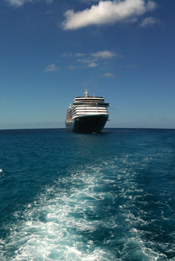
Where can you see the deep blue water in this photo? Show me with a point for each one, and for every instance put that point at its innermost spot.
(66, 196)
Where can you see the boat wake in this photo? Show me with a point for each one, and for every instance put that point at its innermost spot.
(94, 213)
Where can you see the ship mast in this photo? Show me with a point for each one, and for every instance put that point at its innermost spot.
(86, 93)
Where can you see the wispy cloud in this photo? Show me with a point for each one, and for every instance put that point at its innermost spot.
(148, 21)
(90, 59)
(107, 12)
(51, 68)
(103, 55)
(67, 55)
(19, 3)
(93, 59)
(80, 54)
(91, 65)
(108, 75)
(71, 67)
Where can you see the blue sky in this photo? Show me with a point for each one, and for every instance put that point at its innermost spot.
(51, 51)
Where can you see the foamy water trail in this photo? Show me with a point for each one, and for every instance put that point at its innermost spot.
(90, 214)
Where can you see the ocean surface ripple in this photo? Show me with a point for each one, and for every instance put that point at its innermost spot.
(101, 197)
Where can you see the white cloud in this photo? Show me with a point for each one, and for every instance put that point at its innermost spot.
(51, 68)
(19, 3)
(90, 59)
(15, 2)
(107, 12)
(93, 58)
(148, 21)
(108, 75)
(103, 55)
(92, 64)
(80, 54)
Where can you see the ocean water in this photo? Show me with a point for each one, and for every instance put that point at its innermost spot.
(94, 197)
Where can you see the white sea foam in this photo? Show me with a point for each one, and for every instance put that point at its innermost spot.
(54, 226)
(65, 224)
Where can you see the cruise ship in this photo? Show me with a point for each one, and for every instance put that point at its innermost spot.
(87, 114)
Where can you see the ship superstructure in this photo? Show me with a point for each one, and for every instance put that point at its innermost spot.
(87, 114)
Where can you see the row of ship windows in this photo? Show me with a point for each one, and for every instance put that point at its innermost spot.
(88, 108)
(89, 100)
(86, 113)
(102, 110)
(89, 113)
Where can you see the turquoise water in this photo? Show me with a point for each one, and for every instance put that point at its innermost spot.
(66, 196)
